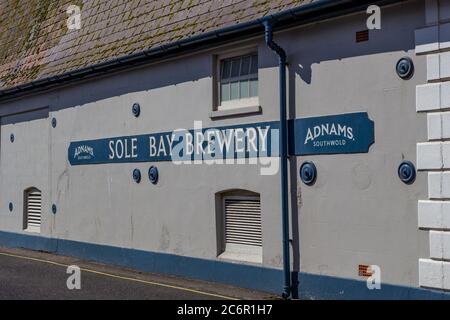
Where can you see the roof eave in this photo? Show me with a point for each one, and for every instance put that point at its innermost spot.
(316, 11)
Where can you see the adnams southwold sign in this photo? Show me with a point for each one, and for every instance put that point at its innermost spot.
(344, 133)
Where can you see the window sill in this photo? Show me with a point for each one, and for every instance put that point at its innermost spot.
(243, 253)
(235, 112)
(33, 230)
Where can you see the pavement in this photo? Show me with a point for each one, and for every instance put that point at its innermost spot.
(31, 275)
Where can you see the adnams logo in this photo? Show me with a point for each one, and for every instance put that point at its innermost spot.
(83, 152)
(325, 134)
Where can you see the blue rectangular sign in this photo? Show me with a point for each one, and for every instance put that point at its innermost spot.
(346, 133)
(232, 142)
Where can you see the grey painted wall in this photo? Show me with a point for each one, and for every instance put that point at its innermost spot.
(358, 212)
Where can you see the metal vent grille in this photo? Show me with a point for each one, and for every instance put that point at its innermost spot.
(362, 36)
(33, 210)
(243, 221)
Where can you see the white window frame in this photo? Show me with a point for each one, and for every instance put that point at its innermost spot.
(250, 102)
(240, 252)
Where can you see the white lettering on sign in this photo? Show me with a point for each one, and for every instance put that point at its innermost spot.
(215, 144)
(152, 141)
(240, 140)
(161, 148)
(251, 140)
(328, 129)
(83, 152)
(123, 149)
(263, 137)
(225, 139)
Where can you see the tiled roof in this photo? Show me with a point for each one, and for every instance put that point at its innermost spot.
(35, 42)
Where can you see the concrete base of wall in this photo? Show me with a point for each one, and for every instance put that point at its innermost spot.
(247, 276)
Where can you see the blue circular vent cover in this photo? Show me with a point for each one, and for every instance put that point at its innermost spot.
(407, 172)
(405, 68)
(308, 173)
(136, 109)
(153, 174)
(137, 175)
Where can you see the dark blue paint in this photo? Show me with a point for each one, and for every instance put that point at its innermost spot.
(343, 133)
(247, 276)
(331, 288)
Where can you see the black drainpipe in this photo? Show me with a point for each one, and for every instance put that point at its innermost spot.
(283, 157)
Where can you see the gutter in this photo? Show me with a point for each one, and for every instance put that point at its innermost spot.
(307, 13)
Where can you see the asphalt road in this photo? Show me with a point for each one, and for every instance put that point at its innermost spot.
(31, 275)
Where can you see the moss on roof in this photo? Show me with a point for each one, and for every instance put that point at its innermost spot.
(36, 43)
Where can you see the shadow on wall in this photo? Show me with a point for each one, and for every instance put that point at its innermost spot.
(29, 115)
(139, 79)
(144, 78)
(336, 39)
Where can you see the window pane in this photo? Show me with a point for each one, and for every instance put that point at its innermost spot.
(234, 90)
(225, 91)
(236, 63)
(254, 67)
(245, 66)
(254, 88)
(244, 89)
(239, 78)
(226, 68)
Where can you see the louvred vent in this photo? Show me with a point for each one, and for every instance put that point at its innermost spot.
(243, 221)
(33, 209)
